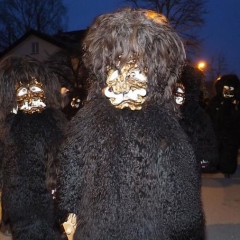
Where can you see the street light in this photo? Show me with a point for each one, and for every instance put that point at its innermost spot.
(201, 65)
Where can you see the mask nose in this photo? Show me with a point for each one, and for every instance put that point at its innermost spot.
(29, 94)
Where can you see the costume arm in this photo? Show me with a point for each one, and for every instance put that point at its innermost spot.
(1, 161)
(69, 178)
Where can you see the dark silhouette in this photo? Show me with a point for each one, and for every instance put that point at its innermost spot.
(196, 123)
(33, 126)
(224, 112)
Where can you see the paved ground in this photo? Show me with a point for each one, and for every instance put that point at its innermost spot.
(221, 203)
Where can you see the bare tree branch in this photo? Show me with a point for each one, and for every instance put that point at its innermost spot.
(217, 67)
(19, 16)
(69, 67)
(184, 15)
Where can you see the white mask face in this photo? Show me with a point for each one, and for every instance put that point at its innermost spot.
(228, 91)
(30, 97)
(179, 94)
(128, 88)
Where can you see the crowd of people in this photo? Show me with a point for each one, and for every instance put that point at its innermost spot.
(128, 164)
(213, 128)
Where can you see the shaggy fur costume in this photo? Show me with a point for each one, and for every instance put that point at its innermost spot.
(30, 146)
(196, 123)
(225, 115)
(131, 174)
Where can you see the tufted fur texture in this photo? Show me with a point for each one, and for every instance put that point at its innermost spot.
(131, 174)
(196, 123)
(225, 116)
(131, 34)
(31, 143)
(16, 69)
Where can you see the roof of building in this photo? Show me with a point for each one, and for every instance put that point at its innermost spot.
(66, 40)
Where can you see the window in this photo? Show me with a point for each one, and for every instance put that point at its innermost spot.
(35, 47)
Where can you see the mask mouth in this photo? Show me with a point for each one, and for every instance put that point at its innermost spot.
(179, 100)
(228, 91)
(33, 106)
(126, 88)
(132, 99)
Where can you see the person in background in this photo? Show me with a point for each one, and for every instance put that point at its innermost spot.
(224, 111)
(194, 120)
(30, 103)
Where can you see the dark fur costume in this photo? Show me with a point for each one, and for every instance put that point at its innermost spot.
(225, 115)
(131, 174)
(30, 147)
(196, 123)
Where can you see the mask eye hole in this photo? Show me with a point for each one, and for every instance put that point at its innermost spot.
(35, 89)
(22, 91)
(132, 74)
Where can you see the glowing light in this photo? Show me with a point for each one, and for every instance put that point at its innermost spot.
(201, 65)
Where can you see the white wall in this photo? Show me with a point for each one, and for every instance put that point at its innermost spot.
(25, 48)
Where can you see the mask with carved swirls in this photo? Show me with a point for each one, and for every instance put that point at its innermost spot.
(30, 97)
(127, 88)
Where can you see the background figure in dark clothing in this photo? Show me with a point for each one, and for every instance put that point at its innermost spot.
(72, 101)
(224, 112)
(195, 122)
(30, 104)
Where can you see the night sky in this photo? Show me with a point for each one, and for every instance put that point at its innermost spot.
(221, 32)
